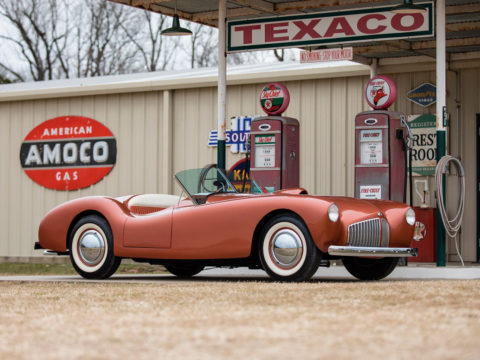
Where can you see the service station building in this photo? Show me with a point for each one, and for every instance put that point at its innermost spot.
(162, 123)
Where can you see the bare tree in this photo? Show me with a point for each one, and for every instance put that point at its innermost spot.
(81, 38)
(62, 39)
(4, 79)
(40, 37)
(157, 51)
(102, 45)
(279, 54)
(202, 49)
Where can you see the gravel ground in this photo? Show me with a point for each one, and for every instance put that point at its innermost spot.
(241, 320)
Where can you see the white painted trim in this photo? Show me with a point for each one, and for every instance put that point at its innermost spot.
(197, 78)
(222, 71)
(167, 142)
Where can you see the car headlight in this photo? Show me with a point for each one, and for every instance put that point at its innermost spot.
(333, 212)
(410, 216)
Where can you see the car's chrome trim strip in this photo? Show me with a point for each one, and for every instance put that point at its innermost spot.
(51, 253)
(371, 251)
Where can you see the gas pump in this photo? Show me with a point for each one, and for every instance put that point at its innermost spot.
(274, 142)
(380, 146)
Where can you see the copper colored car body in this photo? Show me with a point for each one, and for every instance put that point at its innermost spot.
(288, 233)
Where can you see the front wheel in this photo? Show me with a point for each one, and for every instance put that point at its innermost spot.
(286, 249)
(369, 269)
(91, 248)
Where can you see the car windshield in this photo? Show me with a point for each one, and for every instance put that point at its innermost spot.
(254, 188)
(200, 183)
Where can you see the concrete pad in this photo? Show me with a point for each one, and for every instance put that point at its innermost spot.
(334, 273)
(340, 273)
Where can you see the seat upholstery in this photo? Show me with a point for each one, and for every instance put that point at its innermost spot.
(149, 203)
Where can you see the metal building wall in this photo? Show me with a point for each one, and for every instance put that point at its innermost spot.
(313, 102)
(162, 131)
(134, 119)
(469, 102)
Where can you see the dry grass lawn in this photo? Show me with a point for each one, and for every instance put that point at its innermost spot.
(241, 320)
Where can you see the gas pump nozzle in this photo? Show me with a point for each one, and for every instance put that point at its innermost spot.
(247, 145)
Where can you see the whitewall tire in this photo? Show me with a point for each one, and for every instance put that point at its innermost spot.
(286, 249)
(91, 248)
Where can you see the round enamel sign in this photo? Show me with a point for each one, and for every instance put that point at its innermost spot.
(380, 92)
(68, 153)
(274, 99)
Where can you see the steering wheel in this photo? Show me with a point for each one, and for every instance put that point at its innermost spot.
(202, 187)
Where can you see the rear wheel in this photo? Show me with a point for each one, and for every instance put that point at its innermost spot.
(184, 270)
(286, 249)
(369, 269)
(91, 248)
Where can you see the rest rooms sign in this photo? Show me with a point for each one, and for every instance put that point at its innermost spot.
(424, 144)
(333, 27)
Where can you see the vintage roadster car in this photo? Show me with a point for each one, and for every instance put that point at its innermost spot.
(287, 233)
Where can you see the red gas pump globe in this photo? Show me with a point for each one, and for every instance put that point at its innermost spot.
(380, 92)
(274, 99)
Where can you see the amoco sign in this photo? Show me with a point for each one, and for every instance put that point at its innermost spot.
(68, 153)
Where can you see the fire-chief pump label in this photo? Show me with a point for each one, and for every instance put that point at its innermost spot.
(371, 150)
(370, 192)
(68, 153)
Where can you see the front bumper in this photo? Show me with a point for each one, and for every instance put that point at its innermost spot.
(362, 251)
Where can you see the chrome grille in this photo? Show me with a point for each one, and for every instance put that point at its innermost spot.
(364, 233)
(385, 233)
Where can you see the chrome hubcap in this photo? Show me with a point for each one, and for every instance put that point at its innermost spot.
(286, 248)
(91, 247)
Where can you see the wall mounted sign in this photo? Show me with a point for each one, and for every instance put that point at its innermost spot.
(423, 95)
(237, 136)
(326, 55)
(424, 143)
(329, 27)
(68, 153)
(380, 92)
(274, 99)
(239, 175)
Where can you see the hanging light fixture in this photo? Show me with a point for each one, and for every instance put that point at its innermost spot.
(408, 7)
(176, 29)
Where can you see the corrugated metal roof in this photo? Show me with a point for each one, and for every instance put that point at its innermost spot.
(178, 79)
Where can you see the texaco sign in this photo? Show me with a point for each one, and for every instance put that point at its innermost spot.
(329, 27)
(68, 153)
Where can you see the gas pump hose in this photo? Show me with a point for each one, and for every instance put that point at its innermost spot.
(452, 226)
